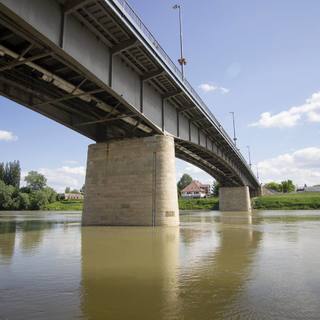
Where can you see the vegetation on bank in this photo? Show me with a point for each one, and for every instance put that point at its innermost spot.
(211, 203)
(34, 196)
(291, 201)
(288, 201)
(65, 205)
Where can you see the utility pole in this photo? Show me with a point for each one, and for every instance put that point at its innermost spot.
(249, 155)
(234, 129)
(182, 61)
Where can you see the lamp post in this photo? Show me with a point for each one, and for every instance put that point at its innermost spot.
(234, 129)
(182, 61)
(249, 155)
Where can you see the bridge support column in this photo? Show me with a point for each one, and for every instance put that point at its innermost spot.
(131, 182)
(234, 199)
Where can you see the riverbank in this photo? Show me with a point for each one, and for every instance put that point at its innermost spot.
(294, 201)
(291, 201)
(65, 205)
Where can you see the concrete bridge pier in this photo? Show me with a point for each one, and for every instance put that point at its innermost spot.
(234, 199)
(131, 182)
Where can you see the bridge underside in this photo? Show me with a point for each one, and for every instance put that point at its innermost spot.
(42, 76)
(84, 64)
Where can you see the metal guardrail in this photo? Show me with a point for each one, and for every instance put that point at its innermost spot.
(134, 18)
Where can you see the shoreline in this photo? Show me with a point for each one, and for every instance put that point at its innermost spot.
(293, 201)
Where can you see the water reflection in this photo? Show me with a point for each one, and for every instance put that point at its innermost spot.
(164, 273)
(27, 230)
(129, 272)
(215, 282)
(214, 266)
(7, 240)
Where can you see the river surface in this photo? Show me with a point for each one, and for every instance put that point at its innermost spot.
(214, 266)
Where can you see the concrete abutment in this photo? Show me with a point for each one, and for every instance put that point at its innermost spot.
(131, 182)
(234, 199)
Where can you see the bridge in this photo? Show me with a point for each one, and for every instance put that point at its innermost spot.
(93, 66)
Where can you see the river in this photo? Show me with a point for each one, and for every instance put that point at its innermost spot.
(214, 266)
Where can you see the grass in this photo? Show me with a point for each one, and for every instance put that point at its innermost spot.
(65, 205)
(292, 201)
(196, 204)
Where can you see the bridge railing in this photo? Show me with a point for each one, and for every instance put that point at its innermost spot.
(134, 18)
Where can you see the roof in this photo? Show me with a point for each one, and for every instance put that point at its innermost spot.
(195, 186)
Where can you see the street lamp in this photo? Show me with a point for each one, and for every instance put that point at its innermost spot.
(234, 129)
(182, 61)
(249, 155)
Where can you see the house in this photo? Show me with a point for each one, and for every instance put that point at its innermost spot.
(196, 190)
(72, 196)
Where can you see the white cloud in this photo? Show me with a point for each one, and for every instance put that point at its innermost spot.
(309, 111)
(60, 178)
(73, 162)
(7, 136)
(207, 87)
(301, 166)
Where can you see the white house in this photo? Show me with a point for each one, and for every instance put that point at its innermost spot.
(196, 190)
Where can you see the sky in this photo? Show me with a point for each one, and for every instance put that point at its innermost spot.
(259, 59)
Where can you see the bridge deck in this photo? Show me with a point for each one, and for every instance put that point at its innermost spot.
(97, 69)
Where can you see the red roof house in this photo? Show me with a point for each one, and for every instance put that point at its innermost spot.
(196, 190)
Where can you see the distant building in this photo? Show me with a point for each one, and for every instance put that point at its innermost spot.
(196, 190)
(312, 189)
(72, 196)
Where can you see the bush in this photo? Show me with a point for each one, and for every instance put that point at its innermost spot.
(39, 200)
(6, 194)
(51, 194)
(24, 201)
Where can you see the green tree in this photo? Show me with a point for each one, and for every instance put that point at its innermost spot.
(10, 173)
(6, 196)
(38, 199)
(183, 182)
(82, 189)
(287, 186)
(215, 188)
(14, 174)
(67, 190)
(2, 172)
(51, 194)
(35, 180)
(274, 186)
(24, 201)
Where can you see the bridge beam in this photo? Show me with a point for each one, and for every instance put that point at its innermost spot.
(234, 199)
(131, 182)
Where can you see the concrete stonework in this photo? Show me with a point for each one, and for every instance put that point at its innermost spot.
(131, 182)
(234, 199)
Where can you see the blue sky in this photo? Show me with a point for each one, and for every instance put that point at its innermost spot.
(259, 59)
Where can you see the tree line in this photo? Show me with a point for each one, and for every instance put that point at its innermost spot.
(284, 186)
(34, 196)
